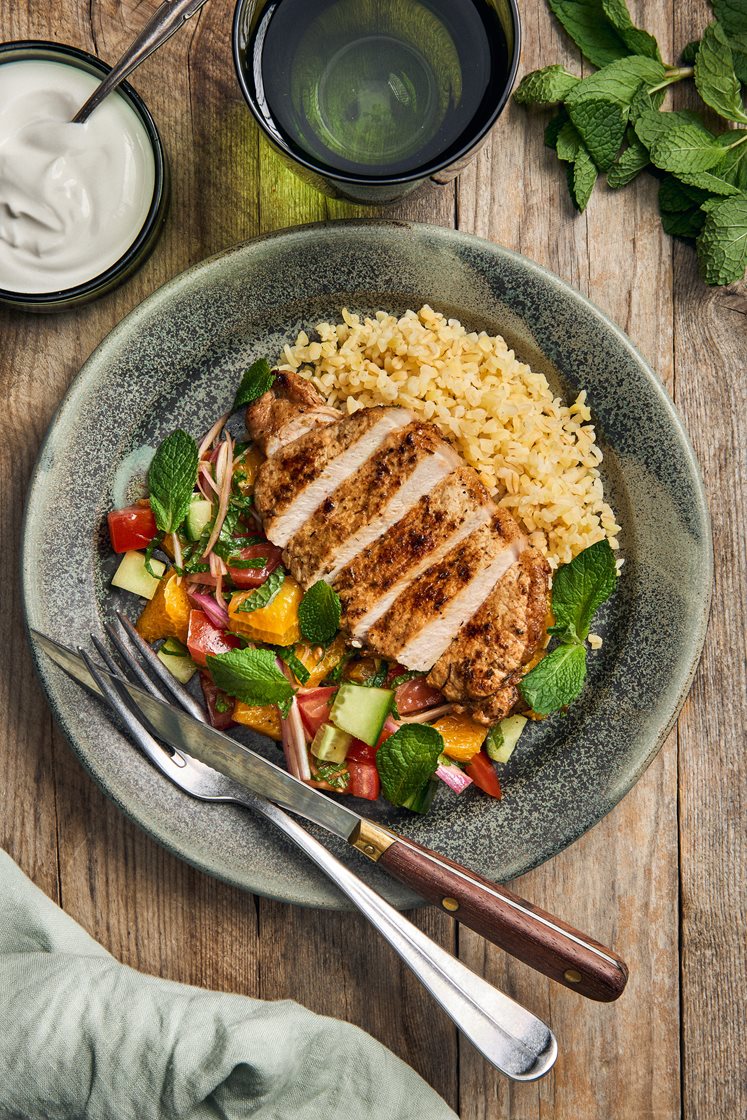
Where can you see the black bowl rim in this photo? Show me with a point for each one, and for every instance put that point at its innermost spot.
(92, 286)
(426, 170)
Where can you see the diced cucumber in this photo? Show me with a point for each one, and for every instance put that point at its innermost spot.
(199, 515)
(175, 657)
(330, 744)
(511, 728)
(132, 575)
(361, 711)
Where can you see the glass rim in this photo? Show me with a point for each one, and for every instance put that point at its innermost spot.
(160, 183)
(425, 170)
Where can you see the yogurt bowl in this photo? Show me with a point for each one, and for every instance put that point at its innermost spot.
(81, 206)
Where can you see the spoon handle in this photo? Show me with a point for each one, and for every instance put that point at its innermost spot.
(167, 19)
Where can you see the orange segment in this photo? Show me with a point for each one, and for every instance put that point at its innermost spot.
(277, 623)
(166, 615)
(319, 661)
(265, 720)
(462, 735)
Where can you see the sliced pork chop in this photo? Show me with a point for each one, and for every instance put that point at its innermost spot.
(369, 585)
(482, 666)
(408, 464)
(293, 483)
(423, 621)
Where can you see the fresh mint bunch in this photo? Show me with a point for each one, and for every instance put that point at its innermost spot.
(612, 122)
(578, 590)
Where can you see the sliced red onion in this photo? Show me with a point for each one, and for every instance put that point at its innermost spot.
(454, 778)
(217, 614)
(294, 743)
(426, 717)
(214, 431)
(224, 475)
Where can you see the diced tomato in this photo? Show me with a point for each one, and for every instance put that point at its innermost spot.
(253, 577)
(416, 696)
(359, 751)
(204, 638)
(131, 528)
(215, 700)
(314, 707)
(482, 772)
(364, 780)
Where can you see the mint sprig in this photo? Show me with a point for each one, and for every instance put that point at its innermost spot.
(611, 121)
(406, 760)
(172, 476)
(254, 384)
(319, 613)
(251, 675)
(578, 590)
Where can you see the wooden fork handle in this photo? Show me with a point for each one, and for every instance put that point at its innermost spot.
(538, 939)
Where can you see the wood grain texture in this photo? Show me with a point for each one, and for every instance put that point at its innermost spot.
(663, 871)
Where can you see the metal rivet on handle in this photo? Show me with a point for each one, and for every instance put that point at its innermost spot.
(572, 976)
(452, 904)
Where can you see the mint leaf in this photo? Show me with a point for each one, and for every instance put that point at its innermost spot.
(707, 181)
(722, 244)
(319, 613)
(630, 163)
(288, 656)
(545, 87)
(263, 595)
(591, 31)
(650, 125)
(407, 759)
(601, 123)
(581, 179)
(254, 384)
(172, 476)
(251, 675)
(637, 41)
(568, 142)
(556, 681)
(679, 206)
(731, 14)
(734, 167)
(580, 588)
(599, 106)
(714, 75)
(686, 148)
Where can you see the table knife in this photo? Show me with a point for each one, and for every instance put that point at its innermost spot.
(537, 938)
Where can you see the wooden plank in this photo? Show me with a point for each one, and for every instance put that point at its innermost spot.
(621, 879)
(711, 393)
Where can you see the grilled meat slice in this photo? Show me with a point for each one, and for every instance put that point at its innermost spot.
(407, 465)
(297, 479)
(453, 509)
(429, 571)
(425, 618)
(482, 666)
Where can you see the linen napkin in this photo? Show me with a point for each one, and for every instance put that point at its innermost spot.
(83, 1036)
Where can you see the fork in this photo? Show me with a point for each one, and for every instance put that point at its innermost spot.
(510, 1037)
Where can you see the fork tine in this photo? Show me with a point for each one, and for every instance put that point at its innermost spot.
(121, 706)
(118, 640)
(138, 646)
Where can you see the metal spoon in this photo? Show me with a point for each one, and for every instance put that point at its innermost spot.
(167, 19)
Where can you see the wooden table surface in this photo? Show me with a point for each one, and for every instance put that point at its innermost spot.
(660, 878)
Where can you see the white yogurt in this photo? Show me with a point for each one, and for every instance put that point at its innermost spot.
(73, 197)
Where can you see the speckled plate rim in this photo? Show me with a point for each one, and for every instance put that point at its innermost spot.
(690, 656)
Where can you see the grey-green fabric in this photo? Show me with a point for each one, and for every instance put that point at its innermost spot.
(83, 1036)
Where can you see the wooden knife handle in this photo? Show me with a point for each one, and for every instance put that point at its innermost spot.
(538, 939)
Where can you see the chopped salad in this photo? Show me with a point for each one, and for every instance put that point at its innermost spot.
(220, 605)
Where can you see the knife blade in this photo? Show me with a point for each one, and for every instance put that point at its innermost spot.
(544, 942)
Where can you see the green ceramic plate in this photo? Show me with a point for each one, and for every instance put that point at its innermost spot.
(175, 361)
